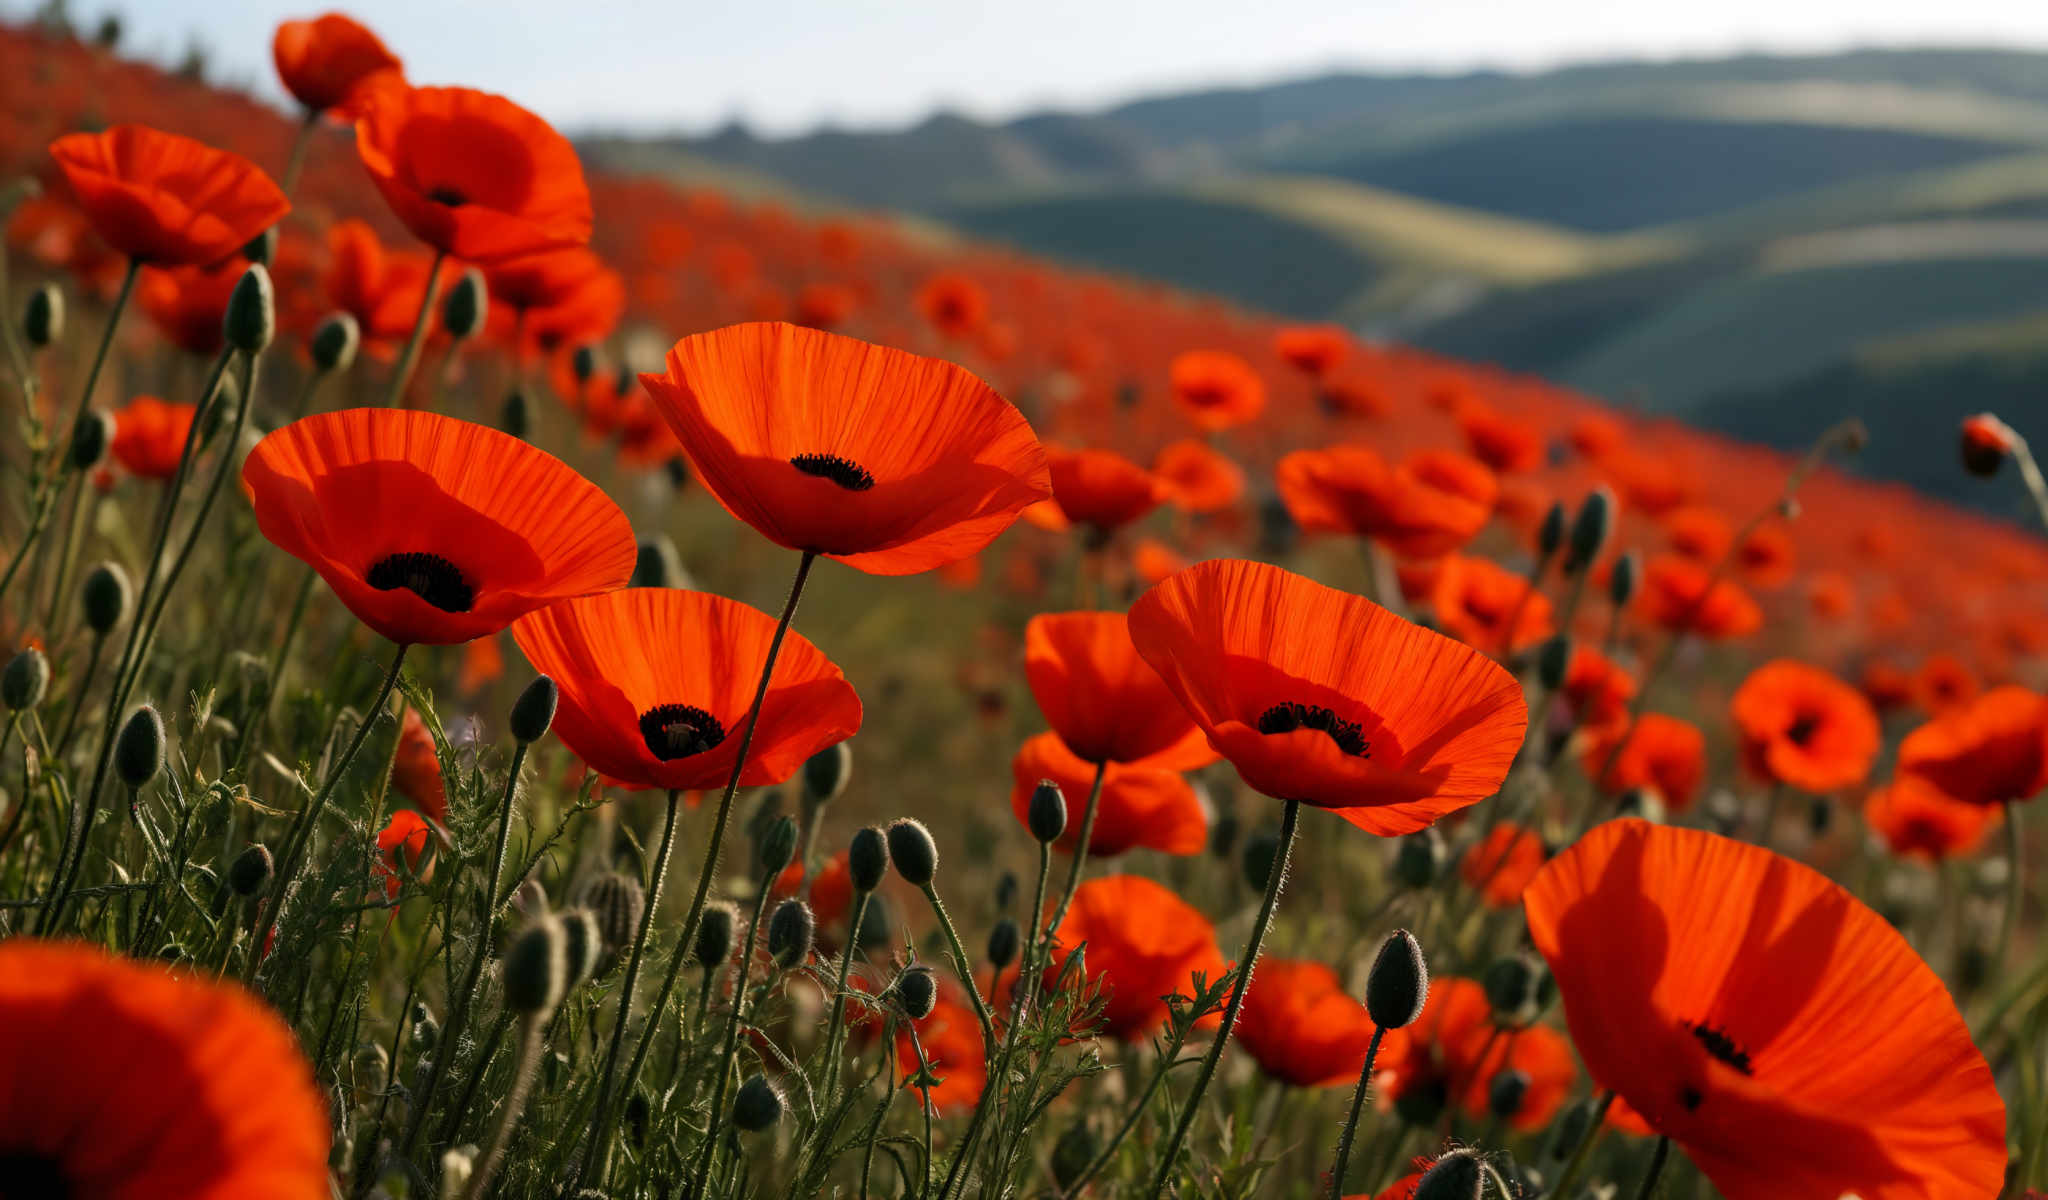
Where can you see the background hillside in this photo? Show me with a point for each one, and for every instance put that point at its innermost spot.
(1740, 242)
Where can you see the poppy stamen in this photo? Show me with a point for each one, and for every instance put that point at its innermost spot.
(849, 475)
(1723, 1047)
(1288, 716)
(429, 576)
(1802, 730)
(452, 197)
(675, 731)
(30, 1174)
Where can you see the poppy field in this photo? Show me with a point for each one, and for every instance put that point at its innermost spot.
(522, 680)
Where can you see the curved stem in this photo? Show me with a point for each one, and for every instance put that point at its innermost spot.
(515, 1104)
(297, 161)
(732, 1036)
(1372, 1052)
(2015, 884)
(401, 372)
(1081, 839)
(1579, 1156)
(964, 967)
(1289, 820)
(1656, 1169)
(62, 445)
(835, 1035)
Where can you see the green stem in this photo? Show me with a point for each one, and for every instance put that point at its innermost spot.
(297, 161)
(401, 373)
(835, 1035)
(515, 1104)
(273, 680)
(964, 967)
(2015, 885)
(1656, 1169)
(62, 444)
(1087, 831)
(1594, 1128)
(732, 1033)
(1372, 1052)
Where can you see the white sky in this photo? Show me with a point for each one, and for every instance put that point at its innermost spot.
(786, 66)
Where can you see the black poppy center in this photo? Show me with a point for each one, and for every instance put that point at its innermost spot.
(844, 472)
(1288, 716)
(675, 731)
(1723, 1047)
(429, 576)
(25, 1173)
(452, 197)
(1801, 731)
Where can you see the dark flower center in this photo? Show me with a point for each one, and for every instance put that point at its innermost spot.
(1721, 1046)
(449, 196)
(429, 576)
(849, 475)
(1801, 731)
(675, 731)
(1288, 716)
(26, 1173)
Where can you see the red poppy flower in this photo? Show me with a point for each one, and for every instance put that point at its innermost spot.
(1454, 1051)
(1766, 558)
(1153, 560)
(164, 199)
(1144, 944)
(1216, 389)
(1107, 703)
(1141, 805)
(322, 62)
(1987, 442)
(1329, 699)
(1944, 682)
(825, 305)
(1664, 754)
(832, 902)
(1198, 478)
(149, 436)
(1993, 750)
(1804, 727)
(1097, 488)
(1918, 820)
(887, 461)
(1303, 1029)
(1355, 393)
(1886, 686)
(381, 288)
(950, 1036)
(1676, 597)
(403, 850)
(656, 685)
(433, 530)
(1502, 864)
(1430, 505)
(474, 175)
(189, 305)
(1699, 533)
(1598, 689)
(1500, 441)
(1784, 1035)
(483, 663)
(1474, 599)
(955, 305)
(1314, 350)
(416, 772)
(124, 1080)
(560, 297)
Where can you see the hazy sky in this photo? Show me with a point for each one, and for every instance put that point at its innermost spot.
(786, 66)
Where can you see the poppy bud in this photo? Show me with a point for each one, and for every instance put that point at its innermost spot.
(867, 859)
(1987, 442)
(1047, 815)
(1003, 943)
(1571, 1128)
(617, 901)
(1073, 1153)
(531, 899)
(90, 439)
(251, 319)
(537, 968)
(912, 850)
(1820, 815)
(826, 773)
(1455, 1176)
(105, 597)
(658, 564)
(262, 248)
(1514, 987)
(1256, 860)
(469, 301)
(1505, 1094)
(757, 1105)
(584, 363)
(139, 748)
(335, 342)
(582, 944)
(43, 321)
(1590, 529)
(778, 847)
(1550, 535)
(534, 711)
(1621, 582)
(917, 990)
(791, 930)
(251, 870)
(1553, 661)
(714, 935)
(26, 680)
(516, 415)
(1398, 983)
(1006, 889)
(677, 470)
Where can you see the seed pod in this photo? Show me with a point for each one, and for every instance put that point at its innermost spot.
(1505, 1094)
(515, 416)
(757, 1105)
(1256, 860)
(1621, 582)
(469, 301)
(827, 772)
(26, 680)
(791, 930)
(335, 343)
(1455, 1176)
(251, 318)
(1550, 535)
(537, 968)
(912, 850)
(867, 858)
(778, 847)
(714, 935)
(582, 945)
(1553, 661)
(534, 711)
(1398, 983)
(105, 597)
(1513, 988)
(1589, 529)
(917, 991)
(1570, 1128)
(262, 248)
(584, 363)
(90, 439)
(1420, 859)
(139, 748)
(1006, 890)
(618, 902)
(1003, 943)
(42, 323)
(1047, 815)
(250, 872)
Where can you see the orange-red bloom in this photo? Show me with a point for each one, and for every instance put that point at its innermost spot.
(164, 199)
(1676, 596)
(1782, 1033)
(1664, 754)
(1454, 1051)
(1107, 703)
(656, 686)
(381, 288)
(1993, 750)
(1314, 350)
(1500, 441)
(1198, 478)
(149, 436)
(1329, 699)
(1141, 805)
(1144, 944)
(1918, 820)
(1598, 688)
(433, 530)
(1097, 488)
(190, 304)
(887, 461)
(404, 850)
(1303, 1029)
(1474, 599)
(1430, 505)
(951, 1039)
(955, 305)
(1502, 864)
(1804, 727)
(324, 61)
(1216, 389)
(472, 174)
(124, 1080)
(416, 772)
(1943, 682)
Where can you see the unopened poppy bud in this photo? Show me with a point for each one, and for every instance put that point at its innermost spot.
(827, 772)
(1513, 988)
(250, 871)
(1987, 442)
(1621, 581)
(1398, 984)
(1590, 529)
(1820, 816)
(617, 901)
(1455, 1176)
(515, 416)
(537, 968)
(335, 343)
(1047, 815)
(262, 248)
(714, 935)
(658, 565)
(917, 990)
(1505, 1094)
(757, 1105)
(1571, 1128)
(1006, 890)
(584, 363)
(26, 680)
(42, 323)
(468, 303)
(1073, 1154)
(90, 438)
(1256, 860)
(1420, 859)
(105, 597)
(530, 898)
(1553, 661)
(791, 929)
(139, 749)
(778, 847)
(1003, 943)
(867, 859)
(912, 850)
(583, 945)
(251, 319)
(534, 711)
(1223, 835)
(1550, 535)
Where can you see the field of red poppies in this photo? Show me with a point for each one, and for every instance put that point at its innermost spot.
(523, 681)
